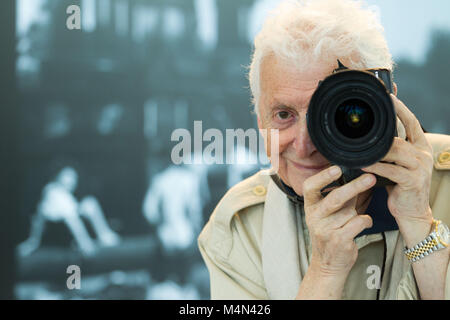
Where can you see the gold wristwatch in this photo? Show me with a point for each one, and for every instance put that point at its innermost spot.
(438, 239)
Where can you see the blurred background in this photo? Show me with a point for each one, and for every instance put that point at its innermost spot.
(85, 133)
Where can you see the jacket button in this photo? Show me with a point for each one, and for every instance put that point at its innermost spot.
(444, 157)
(259, 190)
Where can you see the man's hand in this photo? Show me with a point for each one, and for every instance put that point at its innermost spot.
(333, 223)
(410, 167)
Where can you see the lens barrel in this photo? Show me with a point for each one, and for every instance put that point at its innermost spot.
(351, 119)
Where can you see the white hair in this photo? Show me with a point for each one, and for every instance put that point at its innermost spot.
(309, 32)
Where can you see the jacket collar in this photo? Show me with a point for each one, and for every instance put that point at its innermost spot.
(279, 247)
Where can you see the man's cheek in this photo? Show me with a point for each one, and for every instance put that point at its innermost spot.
(283, 140)
(273, 142)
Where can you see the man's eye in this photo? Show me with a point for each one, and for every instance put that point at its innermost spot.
(283, 115)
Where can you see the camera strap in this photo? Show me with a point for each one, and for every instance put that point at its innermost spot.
(290, 193)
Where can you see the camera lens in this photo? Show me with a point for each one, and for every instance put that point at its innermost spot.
(354, 119)
(351, 119)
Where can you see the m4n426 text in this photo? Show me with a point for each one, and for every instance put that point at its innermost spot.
(246, 309)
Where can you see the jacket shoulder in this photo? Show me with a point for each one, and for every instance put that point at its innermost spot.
(441, 150)
(249, 192)
(231, 240)
(239, 209)
(440, 181)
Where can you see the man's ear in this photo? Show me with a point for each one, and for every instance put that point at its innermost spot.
(395, 89)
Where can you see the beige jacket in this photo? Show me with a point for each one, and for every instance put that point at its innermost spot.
(256, 243)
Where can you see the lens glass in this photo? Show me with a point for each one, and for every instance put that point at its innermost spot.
(354, 118)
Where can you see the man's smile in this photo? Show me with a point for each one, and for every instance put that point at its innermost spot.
(309, 167)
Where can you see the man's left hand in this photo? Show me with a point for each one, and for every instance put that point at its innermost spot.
(410, 166)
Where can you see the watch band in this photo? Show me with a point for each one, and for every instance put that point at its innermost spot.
(427, 246)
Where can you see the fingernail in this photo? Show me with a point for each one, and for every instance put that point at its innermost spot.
(334, 171)
(368, 180)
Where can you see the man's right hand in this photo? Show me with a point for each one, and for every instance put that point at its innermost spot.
(333, 223)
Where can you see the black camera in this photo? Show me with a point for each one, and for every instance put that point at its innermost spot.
(352, 121)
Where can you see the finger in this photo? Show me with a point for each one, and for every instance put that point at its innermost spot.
(403, 154)
(355, 226)
(413, 129)
(312, 186)
(340, 218)
(397, 174)
(338, 198)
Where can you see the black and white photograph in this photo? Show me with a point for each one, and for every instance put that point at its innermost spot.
(225, 150)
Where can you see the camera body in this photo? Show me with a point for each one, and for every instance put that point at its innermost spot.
(352, 121)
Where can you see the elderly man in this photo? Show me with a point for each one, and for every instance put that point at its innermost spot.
(351, 243)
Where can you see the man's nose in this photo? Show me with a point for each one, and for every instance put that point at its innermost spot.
(303, 145)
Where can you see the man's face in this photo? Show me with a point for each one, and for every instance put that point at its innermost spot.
(284, 101)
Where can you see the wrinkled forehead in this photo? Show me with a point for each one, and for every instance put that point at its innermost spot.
(283, 80)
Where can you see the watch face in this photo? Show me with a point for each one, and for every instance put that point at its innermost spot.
(444, 234)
